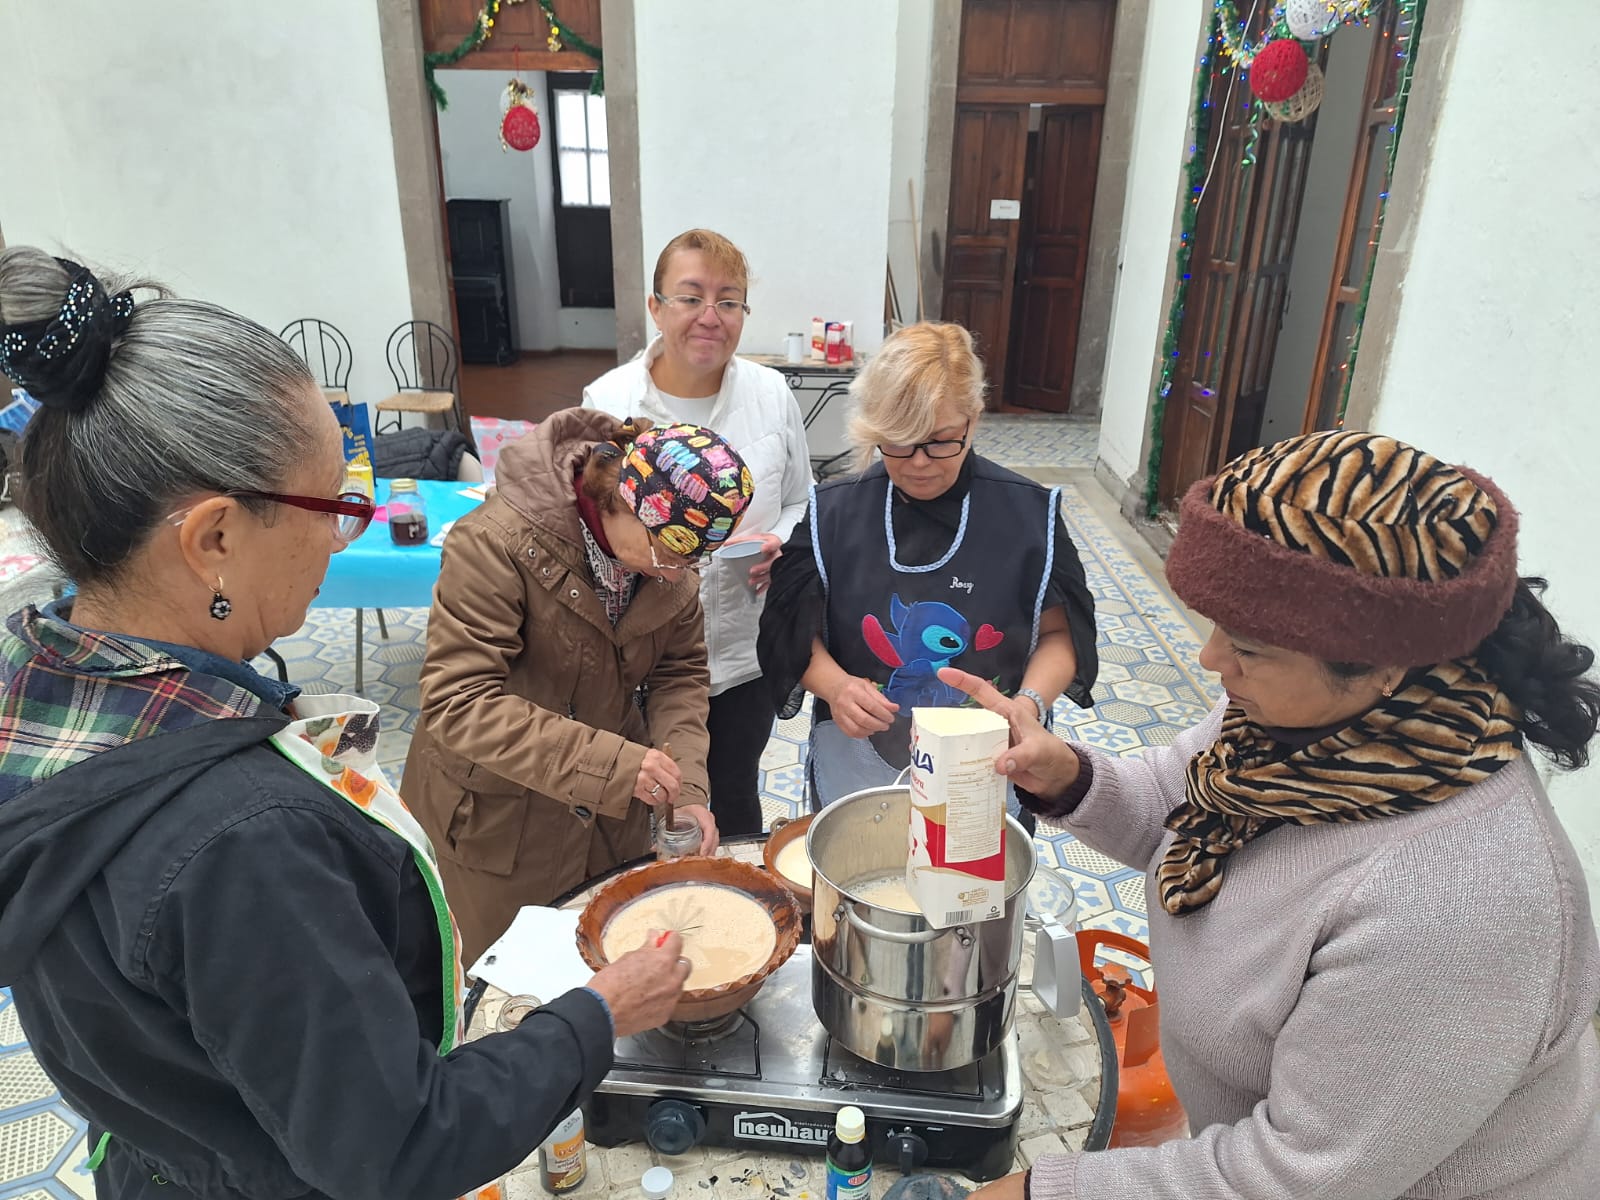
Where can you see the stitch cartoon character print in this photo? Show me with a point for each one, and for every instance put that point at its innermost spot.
(927, 636)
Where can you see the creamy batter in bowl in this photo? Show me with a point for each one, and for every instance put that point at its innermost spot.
(715, 903)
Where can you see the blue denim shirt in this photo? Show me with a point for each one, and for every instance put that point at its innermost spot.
(272, 692)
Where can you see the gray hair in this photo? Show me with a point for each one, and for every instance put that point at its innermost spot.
(194, 398)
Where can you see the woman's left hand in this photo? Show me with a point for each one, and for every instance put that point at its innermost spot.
(771, 547)
(709, 837)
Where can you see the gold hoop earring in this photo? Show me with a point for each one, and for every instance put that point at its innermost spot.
(221, 606)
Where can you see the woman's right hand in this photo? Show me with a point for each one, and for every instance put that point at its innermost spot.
(860, 709)
(1037, 760)
(659, 779)
(642, 987)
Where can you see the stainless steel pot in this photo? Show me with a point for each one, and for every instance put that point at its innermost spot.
(887, 985)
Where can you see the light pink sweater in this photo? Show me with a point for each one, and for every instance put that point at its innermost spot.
(1397, 1007)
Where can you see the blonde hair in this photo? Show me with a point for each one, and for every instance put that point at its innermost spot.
(724, 256)
(897, 396)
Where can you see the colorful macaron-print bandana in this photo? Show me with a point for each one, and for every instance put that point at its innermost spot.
(687, 485)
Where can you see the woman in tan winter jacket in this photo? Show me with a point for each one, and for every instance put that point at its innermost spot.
(566, 649)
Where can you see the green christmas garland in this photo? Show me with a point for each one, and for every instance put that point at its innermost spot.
(1194, 174)
(483, 30)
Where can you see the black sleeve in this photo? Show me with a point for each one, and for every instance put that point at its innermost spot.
(792, 617)
(273, 937)
(1068, 589)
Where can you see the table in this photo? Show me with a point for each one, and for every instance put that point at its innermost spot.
(1068, 1102)
(372, 572)
(827, 380)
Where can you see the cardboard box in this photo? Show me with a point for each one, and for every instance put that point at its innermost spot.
(819, 337)
(956, 868)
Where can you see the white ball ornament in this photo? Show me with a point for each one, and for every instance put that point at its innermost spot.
(1309, 19)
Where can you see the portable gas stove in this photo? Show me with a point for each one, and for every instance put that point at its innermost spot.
(770, 1077)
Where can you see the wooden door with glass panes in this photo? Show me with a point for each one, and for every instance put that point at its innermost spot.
(1359, 224)
(1239, 272)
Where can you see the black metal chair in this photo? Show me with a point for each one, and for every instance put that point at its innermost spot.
(326, 351)
(424, 361)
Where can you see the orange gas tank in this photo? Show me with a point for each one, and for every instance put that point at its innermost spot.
(1148, 1112)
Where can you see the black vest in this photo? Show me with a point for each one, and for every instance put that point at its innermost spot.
(975, 607)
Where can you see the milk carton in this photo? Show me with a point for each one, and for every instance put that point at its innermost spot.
(956, 870)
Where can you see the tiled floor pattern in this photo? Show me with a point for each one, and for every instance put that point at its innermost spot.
(1150, 687)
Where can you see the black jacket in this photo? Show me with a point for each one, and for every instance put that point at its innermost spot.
(239, 976)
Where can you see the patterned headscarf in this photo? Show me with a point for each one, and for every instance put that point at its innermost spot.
(687, 485)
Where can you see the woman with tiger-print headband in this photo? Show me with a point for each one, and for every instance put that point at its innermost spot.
(1373, 938)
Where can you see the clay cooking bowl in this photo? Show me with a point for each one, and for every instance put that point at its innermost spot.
(697, 1004)
(785, 831)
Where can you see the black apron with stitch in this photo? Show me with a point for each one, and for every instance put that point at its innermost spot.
(975, 607)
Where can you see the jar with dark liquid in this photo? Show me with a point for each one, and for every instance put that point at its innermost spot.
(408, 515)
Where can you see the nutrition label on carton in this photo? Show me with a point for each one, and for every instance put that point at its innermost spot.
(973, 822)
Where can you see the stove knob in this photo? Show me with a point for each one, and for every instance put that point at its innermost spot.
(673, 1127)
(909, 1150)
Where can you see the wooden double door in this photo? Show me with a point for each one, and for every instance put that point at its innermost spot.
(1245, 239)
(1030, 99)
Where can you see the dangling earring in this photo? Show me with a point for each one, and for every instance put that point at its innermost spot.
(1388, 692)
(221, 606)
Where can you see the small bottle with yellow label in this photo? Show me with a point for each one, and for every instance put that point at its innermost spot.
(563, 1162)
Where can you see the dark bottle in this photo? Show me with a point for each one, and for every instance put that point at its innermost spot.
(849, 1157)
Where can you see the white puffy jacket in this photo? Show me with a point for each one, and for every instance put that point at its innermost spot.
(759, 416)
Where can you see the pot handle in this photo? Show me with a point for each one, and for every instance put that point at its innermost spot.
(1057, 979)
(901, 778)
(867, 929)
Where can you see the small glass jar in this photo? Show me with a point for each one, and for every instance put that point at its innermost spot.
(408, 515)
(681, 839)
(515, 1010)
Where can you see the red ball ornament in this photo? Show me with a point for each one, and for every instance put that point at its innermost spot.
(1279, 70)
(519, 129)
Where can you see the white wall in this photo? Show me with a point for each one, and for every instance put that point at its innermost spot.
(1492, 357)
(239, 153)
(1144, 261)
(779, 136)
(1339, 124)
(909, 150)
(477, 167)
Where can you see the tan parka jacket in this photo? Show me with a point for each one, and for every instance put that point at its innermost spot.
(535, 712)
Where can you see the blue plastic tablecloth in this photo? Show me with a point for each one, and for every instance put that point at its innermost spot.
(373, 572)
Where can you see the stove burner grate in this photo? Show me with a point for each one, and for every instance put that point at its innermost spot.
(726, 1046)
(844, 1069)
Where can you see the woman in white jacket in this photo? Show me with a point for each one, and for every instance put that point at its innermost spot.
(699, 300)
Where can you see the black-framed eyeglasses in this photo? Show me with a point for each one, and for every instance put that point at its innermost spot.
(354, 509)
(693, 306)
(938, 448)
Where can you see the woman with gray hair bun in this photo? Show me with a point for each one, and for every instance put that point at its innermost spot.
(225, 934)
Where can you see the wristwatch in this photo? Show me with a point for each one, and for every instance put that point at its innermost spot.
(1038, 702)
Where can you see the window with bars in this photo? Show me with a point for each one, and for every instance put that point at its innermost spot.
(583, 165)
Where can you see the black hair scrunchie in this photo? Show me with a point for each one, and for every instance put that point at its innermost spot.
(61, 362)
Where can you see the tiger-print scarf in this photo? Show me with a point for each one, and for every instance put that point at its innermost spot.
(1446, 730)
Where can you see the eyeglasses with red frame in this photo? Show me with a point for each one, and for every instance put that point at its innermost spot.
(354, 509)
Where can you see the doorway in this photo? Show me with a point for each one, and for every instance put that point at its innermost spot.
(1030, 99)
(1281, 250)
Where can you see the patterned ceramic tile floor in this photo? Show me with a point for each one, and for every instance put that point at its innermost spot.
(1150, 687)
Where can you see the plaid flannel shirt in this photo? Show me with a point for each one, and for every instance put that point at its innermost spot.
(67, 694)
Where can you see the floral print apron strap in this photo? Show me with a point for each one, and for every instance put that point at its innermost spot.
(338, 748)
